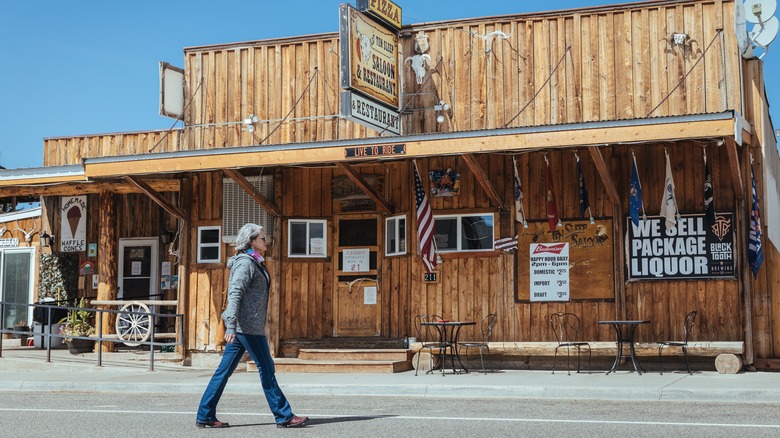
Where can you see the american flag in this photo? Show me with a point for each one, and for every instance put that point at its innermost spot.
(424, 223)
(709, 208)
(755, 250)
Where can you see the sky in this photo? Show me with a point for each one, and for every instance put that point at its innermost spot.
(91, 67)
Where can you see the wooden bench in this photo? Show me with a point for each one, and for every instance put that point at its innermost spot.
(727, 353)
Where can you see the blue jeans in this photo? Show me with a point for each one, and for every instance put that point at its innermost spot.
(258, 350)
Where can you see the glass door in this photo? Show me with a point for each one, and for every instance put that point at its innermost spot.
(16, 285)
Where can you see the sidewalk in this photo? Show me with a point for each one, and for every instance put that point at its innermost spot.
(27, 370)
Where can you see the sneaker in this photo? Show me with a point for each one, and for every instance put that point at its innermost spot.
(295, 421)
(215, 424)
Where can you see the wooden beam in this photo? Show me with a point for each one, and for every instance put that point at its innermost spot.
(156, 197)
(244, 183)
(483, 180)
(282, 156)
(367, 189)
(107, 260)
(84, 188)
(606, 178)
(736, 172)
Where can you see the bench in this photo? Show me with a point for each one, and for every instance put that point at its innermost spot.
(727, 353)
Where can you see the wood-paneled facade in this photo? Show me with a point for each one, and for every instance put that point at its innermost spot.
(604, 83)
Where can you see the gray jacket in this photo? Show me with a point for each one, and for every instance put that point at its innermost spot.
(247, 296)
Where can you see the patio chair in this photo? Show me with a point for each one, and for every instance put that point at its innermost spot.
(488, 323)
(688, 325)
(566, 327)
(430, 338)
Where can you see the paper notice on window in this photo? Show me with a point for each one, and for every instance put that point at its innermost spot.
(135, 268)
(549, 269)
(317, 246)
(369, 295)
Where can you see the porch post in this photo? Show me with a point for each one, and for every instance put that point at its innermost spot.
(107, 260)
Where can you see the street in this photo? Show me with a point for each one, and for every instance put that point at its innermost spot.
(49, 414)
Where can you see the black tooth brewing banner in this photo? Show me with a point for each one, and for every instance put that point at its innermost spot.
(693, 249)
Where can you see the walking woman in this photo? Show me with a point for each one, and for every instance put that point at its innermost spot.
(245, 331)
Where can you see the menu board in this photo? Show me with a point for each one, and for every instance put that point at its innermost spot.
(549, 271)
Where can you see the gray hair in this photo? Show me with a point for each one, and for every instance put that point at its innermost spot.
(246, 235)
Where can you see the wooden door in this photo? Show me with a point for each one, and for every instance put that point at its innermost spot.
(357, 303)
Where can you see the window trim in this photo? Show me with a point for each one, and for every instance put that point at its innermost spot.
(397, 239)
(459, 231)
(308, 223)
(217, 244)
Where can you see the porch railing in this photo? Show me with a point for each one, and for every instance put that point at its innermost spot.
(99, 337)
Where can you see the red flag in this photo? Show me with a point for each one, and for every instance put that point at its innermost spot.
(552, 206)
(424, 223)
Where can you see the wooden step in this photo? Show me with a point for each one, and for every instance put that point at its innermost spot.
(333, 354)
(291, 365)
(344, 360)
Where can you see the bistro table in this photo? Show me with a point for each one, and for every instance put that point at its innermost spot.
(625, 332)
(449, 333)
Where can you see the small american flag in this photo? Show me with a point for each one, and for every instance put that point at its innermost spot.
(424, 223)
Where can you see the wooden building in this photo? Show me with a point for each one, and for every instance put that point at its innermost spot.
(603, 84)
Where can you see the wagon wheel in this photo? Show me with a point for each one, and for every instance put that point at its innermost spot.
(133, 328)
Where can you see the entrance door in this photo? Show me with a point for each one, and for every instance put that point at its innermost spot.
(16, 285)
(138, 269)
(357, 303)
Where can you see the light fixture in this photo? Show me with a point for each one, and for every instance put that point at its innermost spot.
(249, 123)
(441, 106)
(46, 240)
(166, 237)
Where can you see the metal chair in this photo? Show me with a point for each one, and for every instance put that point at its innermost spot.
(688, 325)
(488, 323)
(566, 327)
(430, 338)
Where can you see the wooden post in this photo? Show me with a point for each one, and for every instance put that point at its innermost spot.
(107, 260)
(183, 294)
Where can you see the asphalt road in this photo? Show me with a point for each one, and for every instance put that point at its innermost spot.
(36, 414)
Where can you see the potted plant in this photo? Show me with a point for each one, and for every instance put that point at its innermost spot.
(78, 324)
(21, 326)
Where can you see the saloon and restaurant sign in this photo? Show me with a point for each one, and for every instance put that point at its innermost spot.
(369, 71)
(690, 250)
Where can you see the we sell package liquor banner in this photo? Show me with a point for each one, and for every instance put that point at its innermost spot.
(690, 250)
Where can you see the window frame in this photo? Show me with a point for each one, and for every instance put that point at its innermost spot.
(308, 223)
(397, 228)
(217, 244)
(459, 224)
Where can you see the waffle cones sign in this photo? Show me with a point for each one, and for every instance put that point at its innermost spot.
(73, 227)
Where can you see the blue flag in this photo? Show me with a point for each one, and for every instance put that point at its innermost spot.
(635, 199)
(584, 202)
(755, 250)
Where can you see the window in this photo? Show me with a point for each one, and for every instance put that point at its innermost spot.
(306, 238)
(209, 244)
(467, 232)
(395, 238)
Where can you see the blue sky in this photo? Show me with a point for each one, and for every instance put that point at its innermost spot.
(91, 67)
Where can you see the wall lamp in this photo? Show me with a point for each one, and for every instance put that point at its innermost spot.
(249, 123)
(46, 239)
(166, 237)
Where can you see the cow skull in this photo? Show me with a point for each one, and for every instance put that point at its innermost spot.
(419, 64)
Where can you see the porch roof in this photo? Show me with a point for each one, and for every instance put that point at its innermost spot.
(727, 124)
